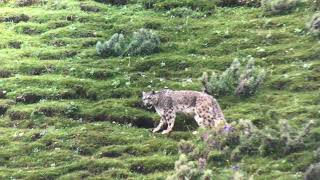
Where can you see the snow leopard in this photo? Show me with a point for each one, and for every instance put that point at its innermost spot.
(203, 107)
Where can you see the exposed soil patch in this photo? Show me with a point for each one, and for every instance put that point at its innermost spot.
(88, 8)
(28, 98)
(18, 115)
(15, 44)
(16, 19)
(5, 73)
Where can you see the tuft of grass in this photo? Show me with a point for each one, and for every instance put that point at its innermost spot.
(80, 109)
(278, 6)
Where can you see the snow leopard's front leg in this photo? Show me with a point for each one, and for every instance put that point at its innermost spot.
(170, 117)
(160, 125)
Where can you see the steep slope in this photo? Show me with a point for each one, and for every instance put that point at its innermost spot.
(68, 113)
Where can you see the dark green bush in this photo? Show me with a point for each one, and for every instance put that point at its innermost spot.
(215, 147)
(143, 42)
(314, 24)
(113, 47)
(201, 5)
(185, 12)
(313, 172)
(240, 80)
(278, 6)
(26, 2)
(113, 2)
(251, 3)
(315, 4)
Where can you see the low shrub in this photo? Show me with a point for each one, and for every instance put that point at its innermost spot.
(313, 172)
(229, 143)
(186, 169)
(113, 2)
(89, 8)
(268, 141)
(208, 146)
(207, 6)
(314, 24)
(113, 47)
(278, 6)
(16, 18)
(240, 80)
(315, 4)
(185, 12)
(22, 3)
(143, 42)
(228, 2)
(251, 3)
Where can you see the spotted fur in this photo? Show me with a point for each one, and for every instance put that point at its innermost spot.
(203, 107)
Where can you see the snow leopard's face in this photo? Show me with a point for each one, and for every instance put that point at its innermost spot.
(149, 98)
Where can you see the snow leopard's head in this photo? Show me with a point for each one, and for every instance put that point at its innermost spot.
(149, 98)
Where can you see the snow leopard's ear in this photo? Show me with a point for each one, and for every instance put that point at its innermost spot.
(153, 92)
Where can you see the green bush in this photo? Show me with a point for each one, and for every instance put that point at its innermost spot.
(143, 42)
(314, 24)
(269, 141)
(228, 2)
(209, 146)
(113, 2)
(251, 3)
(186, 169)
(240, 80)
(207, 6)
(185, 12)
(313, 172)
(278, 6)
(315, 4)
(22, 3)
(115, 46)
(215, 147)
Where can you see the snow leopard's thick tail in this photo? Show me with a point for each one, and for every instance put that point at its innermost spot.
(217, 112)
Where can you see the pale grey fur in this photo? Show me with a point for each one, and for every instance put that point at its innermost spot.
(203, 107)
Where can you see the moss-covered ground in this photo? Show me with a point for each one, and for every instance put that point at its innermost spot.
(70, 114)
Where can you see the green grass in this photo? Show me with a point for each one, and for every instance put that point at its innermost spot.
(85, 118)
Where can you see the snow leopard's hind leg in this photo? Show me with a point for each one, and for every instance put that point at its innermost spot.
(160, 125)
(170, 117)
(204, 115)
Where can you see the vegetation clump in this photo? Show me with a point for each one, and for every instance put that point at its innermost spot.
(185, 12)
(252, 3)
(89, 8)
(229, 143)
(313, 172)
(143, 42)
(239, 80)
(22, 3)
(16, 19)
(207, 6)
(115, 46)
(314, 24)
(315, 4)
(208, 148)
(278, 6)
(114, 2)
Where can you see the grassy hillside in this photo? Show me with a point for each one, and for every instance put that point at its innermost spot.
(69, 114)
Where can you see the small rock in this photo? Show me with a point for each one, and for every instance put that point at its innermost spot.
(3, 94)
